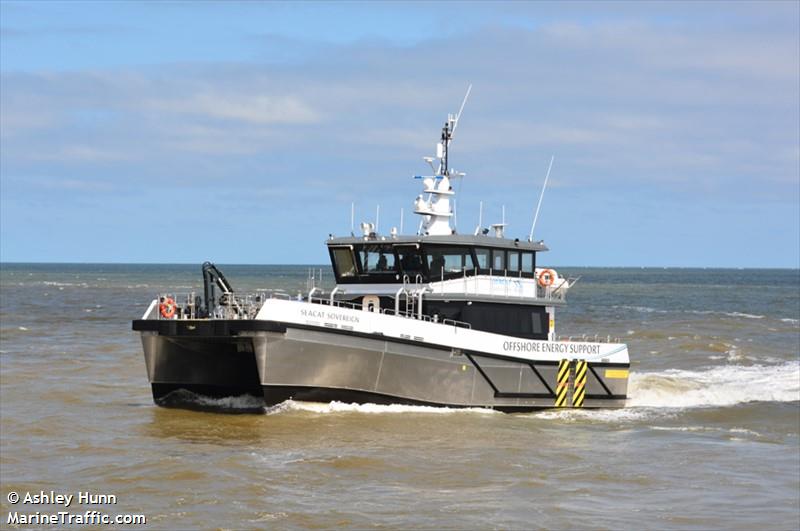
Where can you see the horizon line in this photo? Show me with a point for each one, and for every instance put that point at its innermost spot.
(4, 263)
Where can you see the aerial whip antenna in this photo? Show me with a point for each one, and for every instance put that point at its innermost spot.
(453, 132)
(461, 109)
(480, 219)
(541, 196)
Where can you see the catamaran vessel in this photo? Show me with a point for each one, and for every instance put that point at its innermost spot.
(435, 318)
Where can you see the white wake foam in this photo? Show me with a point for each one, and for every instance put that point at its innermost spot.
(231, 403)
(717, 386)
(341, 407)
(627, 414)
(665, 394)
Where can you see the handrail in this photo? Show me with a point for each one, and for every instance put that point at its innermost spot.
(456, 323)
(402, 289)
(420, 292)
(389, 311)
(333, 293)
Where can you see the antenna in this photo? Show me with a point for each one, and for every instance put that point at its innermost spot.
(461, 109)
(541, 196)
(447, 136)
(480, 219)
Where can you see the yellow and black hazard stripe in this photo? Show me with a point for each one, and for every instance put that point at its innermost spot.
(579, 383)
(562, 383)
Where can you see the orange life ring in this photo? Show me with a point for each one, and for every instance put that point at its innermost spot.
(168, 308)
(547, 278)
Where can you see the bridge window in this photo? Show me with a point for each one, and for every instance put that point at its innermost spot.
(498, 260)
(527, 262)
(343, 262)
(377, 259)
(482, 255)
(448, 260)
(410, 260)
(513, 261)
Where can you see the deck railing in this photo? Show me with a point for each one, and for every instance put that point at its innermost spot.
(388, 311)
(503, 285)
(236, 307)
(589, 339)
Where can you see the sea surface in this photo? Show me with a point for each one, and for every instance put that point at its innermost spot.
(709, 440)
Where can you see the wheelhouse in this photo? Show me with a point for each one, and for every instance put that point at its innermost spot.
(365, 261)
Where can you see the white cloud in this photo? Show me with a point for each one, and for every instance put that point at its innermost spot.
(761, 53)
(653, 102)
(256, 109)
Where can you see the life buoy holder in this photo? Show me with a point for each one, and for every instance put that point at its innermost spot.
(547, 278)
(168, 308)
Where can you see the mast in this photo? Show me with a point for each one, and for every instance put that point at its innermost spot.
(447, 135)
(434, 202)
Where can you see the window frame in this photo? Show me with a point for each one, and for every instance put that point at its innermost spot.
(399, 262)
(476, 261)
(502, 253)
(335, 264)
(516, 271)
(380, 248)
(527, 273)
(467, 255)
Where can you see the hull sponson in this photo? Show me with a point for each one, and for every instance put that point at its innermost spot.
(212, 366)
(305, 364)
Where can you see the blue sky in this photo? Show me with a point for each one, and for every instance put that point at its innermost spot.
(240, 132)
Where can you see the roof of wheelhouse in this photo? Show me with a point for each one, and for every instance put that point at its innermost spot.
(449, 239)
